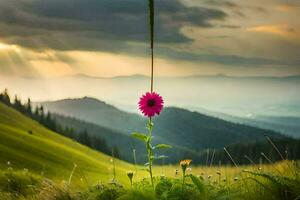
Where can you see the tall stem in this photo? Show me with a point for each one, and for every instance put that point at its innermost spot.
(149, 150)
(151, 23)
(152, 70)
(150, 125)
(150, 170)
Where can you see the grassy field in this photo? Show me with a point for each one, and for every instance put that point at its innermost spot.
(50, 154)
(36, 163)
(278, 181)
(226, 172)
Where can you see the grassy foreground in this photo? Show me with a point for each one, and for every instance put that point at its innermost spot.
(278, 181)
(36, 163)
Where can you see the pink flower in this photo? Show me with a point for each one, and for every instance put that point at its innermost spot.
(151, 104)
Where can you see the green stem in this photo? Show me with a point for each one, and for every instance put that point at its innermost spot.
(150, 171)
(150, 151)
(151, 24)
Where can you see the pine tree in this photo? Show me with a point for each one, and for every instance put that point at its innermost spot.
(29, 107)
(41, 114)
(4, 97)
(84, 138)
(36, 113)
(18, 105)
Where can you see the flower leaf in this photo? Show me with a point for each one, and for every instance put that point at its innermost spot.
(162, 146)
(140, 136)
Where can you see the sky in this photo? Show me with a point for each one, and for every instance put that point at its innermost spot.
(55, 38)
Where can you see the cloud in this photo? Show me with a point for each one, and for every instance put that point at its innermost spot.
(288, 7)
(223, 3)
(121, 27)
(96, 25)
(15, 60)
(283, 30)
(227, 59)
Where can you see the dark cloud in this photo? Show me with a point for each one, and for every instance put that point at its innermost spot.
(230, 26)
(118, 26)
(96, 25)
(229, 60)
(236, 9)
(224, 3)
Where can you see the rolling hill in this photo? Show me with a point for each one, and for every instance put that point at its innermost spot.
(286, 125)
(97, 112)
(188, 132)
(24, 143)
(124, 142)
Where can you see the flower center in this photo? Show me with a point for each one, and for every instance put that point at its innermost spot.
(151, 102)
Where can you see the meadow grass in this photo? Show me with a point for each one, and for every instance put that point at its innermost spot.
(36, 163)
(225, 172)
(24, 143)
(277, 181)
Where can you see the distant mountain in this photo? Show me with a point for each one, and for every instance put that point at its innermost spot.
(138, 76)
(200, 131)
(283, 124)
(294, 77)
(189, 132)
(97, 112)
(289, 126)
(293, 121)
(238, 96)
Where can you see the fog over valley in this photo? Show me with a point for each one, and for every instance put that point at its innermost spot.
(238, 96)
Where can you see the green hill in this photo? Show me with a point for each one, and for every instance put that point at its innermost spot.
(188, 132)
(113, 138)
(97, 112)
(24, 143)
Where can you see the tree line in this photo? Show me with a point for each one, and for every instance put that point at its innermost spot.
(48, 120)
